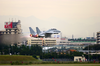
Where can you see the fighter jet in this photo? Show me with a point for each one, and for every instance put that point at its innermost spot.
(42, 34)
(47, 33)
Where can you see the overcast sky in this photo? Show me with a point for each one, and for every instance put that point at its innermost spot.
(80, 18)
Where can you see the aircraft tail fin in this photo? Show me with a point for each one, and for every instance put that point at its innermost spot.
(32, 31)
(38, 30)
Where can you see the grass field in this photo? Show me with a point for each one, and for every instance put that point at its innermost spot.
(57, 65)
(16, 58)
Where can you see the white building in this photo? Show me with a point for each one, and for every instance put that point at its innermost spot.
(41, 41)
(79, 58)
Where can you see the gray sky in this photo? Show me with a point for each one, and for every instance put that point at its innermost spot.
(78, 17)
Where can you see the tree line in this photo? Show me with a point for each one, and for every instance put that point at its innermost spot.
(20, 50)
(36, 50)
(93, 47)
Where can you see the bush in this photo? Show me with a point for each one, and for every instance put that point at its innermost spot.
(12, 63)
(30, 62)
(34, 56)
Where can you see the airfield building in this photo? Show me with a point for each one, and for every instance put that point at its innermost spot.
(12, 29)
(41, 41)
(98, 37)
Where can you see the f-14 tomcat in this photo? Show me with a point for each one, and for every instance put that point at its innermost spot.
(42, 34)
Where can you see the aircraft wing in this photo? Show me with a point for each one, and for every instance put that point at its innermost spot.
(47, 35)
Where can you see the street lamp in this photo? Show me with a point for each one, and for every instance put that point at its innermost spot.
(9, 50)
(88, 52)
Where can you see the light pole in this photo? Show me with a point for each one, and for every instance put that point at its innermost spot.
(9, 50)
(88, 52)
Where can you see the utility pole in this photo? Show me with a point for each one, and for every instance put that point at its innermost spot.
(9, 50)
(88, 52)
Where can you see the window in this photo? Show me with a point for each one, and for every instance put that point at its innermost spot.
(9, 32)
(9, 29)
(76, 59)
(79, 59)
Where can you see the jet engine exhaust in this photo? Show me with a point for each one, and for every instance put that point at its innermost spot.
(11, 38)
